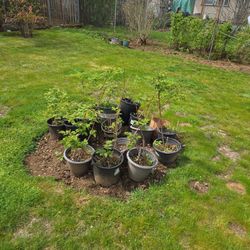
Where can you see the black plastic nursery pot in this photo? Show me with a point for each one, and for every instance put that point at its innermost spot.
(147, 133)
(55, 130)
(79, 168)
(106, 113)
(109, 133)
(166, 133)
(128, 107)
(107, 176)
(138, 172)
(167, 158)
(69, 126)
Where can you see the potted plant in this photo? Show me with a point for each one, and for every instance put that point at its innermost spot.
(107, 83)
(142, 127)
(112, 127)
(122, 144)
(167, 149)
(78, 154)
(169, 90)
(141, 162)
(106, 164)
(81, 117)
(57, 102)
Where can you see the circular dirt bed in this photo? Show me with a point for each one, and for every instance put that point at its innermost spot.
(47, 160)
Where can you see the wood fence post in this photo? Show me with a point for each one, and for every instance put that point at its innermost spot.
(49, 12)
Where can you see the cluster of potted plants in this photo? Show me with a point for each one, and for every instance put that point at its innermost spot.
(110, 134)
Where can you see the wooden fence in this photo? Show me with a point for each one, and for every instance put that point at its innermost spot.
(74, 12)
(61, 12)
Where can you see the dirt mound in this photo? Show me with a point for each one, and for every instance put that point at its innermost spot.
(47, 161)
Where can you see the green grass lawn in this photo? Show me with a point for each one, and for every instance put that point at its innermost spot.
(39, 213)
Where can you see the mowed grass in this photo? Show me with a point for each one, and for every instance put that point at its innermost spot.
(39, 213)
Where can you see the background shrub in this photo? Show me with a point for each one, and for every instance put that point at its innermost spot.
(238, 49)
(194, 35)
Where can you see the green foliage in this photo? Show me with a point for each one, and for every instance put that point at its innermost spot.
(23, 13)
(141, 123)
(71, 140)
(95, 12)
(57, 103)
(194, 35)
(133, 139)
(102, 85)
(238, 49)
(107, 150)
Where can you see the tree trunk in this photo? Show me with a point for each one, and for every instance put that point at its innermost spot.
(26, 30)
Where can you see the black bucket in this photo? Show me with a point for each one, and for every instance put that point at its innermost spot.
(107, 176)
(147, 133)
(168, 158)
(127, 107)
(55, 130)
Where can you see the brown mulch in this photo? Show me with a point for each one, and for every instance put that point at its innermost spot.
(47, 161)
(155, 46)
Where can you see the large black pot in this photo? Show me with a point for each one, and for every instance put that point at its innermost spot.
(127, 107)
(147, 133)
(79, 168)
(107, 176)
(55, 130)
(168, 158)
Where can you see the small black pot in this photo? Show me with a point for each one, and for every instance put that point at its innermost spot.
(122, 141)
(79, 168)
(168, 158)
(165, 133)
(106, 113)
(107, 133)
(147, 133)
(69, 126)
(127, 107)
(107, 176)
(55, 130)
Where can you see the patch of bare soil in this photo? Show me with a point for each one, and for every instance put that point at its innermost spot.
(237, 229)
(200, 187)
(227, 152)
(163, 49)
(185, 124)
(27, 230)
(216, 158)
(237, 187)
(47, 161)
(4, 110)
